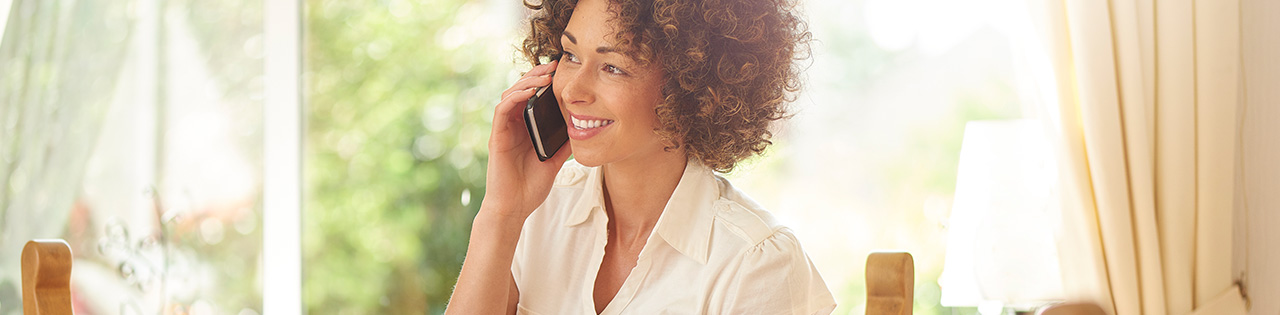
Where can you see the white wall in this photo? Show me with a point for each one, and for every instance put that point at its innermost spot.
(1258, 185)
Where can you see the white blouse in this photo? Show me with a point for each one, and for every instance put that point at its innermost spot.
(713, 251)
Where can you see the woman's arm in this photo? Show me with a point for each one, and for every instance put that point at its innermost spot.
(516, 183)
(485, 285)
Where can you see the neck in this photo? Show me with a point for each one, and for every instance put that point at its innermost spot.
(635, 193)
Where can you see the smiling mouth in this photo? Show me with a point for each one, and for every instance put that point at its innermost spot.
(583, 124)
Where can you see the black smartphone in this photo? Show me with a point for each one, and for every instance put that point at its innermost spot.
(546, 125)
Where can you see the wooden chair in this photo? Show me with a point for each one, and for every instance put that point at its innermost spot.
(890, 283)
(46, 278)
(1073, 309)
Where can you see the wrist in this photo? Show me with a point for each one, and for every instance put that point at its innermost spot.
(494, 233)
(499, 216)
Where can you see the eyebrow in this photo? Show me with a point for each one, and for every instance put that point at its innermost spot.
(599, 50)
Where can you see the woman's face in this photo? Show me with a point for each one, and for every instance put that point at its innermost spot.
(607, 99)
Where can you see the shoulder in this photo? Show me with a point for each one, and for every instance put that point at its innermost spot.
(745, 231)
(748, 236)
(770, 271)
(744, 217)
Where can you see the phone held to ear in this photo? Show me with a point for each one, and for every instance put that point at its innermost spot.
(546, 125)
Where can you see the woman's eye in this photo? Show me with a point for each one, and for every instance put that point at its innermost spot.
(570, 57)
(613, 70)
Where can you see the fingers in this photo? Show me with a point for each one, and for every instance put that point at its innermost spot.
(507, 114)
(529, 82)
(540, 75)
(517, 97)
(509, 108)
(543, 68)
(524, 88)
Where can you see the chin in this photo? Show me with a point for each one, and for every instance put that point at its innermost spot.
(586, 157)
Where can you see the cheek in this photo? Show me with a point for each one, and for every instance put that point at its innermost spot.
(557, 87)
(641, 107)
(651, 90)
(648, 107)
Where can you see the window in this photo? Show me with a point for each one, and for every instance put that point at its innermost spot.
(133, 129)
(151, 135)
(869, 161)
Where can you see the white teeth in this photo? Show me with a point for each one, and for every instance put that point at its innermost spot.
(589, 124)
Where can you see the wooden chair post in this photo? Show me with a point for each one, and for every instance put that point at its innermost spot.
(1073, 309)
(46, 278)
(890, 283)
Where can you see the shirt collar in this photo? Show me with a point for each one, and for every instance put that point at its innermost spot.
(592, 198)
(686, 221)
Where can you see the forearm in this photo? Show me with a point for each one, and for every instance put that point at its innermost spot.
(485, 281)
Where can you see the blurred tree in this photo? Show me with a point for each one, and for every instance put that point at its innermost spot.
(398, 106)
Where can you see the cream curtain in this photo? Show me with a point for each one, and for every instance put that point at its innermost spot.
(1145, 124)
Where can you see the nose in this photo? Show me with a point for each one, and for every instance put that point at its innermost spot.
(576, 87)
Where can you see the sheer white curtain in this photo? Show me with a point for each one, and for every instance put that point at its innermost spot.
(1145, 124)
(54, 92)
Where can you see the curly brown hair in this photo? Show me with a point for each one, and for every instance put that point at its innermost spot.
(729, 66)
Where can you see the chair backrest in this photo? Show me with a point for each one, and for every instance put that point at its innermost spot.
(46, 278)
(1073, 309)
(890, 283)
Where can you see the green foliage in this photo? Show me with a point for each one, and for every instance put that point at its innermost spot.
(396, 134)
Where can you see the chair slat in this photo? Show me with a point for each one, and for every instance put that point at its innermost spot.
(890, 283)
(46, 278)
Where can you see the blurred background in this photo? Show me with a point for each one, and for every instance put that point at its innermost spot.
(134, 130)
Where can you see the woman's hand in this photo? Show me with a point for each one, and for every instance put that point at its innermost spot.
(516, 182)
(515, 185)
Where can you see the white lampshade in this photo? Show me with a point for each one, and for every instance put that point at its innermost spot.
(1000, 242)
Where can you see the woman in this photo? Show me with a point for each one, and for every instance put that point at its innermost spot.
(659, 95)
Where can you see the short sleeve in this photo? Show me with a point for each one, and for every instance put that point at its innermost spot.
(776, 277)
(515, 264)
(518, 255)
